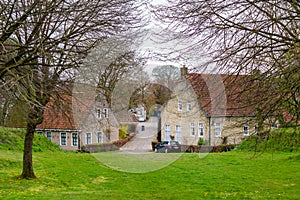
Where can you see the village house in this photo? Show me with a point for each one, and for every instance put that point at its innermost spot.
(207, 106)
(81, 119)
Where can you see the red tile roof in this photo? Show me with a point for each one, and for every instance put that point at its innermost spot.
(220, 94)
(66, 112)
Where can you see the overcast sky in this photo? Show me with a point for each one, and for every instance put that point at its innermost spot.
(152, 44)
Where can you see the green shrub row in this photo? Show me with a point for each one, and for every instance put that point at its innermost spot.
(285, 139)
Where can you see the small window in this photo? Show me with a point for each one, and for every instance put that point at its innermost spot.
(192, 128)
(274, 126)
(218, 129)
(74, 139)
(200, 129)
(189, 106)
(246, 129)
(179, 105)
(105, 110)
(39, 132)
(88, 138)
(100, 137)
(98, 114)
(256, 129)
(49, 135)
(63, 139)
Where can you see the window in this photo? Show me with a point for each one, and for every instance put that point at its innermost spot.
(192, 128)
(188, 106)
(49, 136)
(178, 133)
(100, 137)
(200, 129)
(179, 105)
(246, 129)
(74, 139)
(88, 138)
(63, 139)
(105, 110)
(98, 114)
(168, 132)
(256, 129)
(218, 129)
(39, 132)
(274, 126)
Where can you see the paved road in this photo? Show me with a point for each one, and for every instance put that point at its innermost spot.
(141, 143)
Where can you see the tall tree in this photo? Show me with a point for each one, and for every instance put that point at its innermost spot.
(166, 75)
(107, 64)
(245, 36)
(51, 40)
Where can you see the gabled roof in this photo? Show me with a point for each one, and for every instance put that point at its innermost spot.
(220, 94)
(59, 114)
(70, 112)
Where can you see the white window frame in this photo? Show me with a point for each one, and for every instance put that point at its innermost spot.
(200, 129)
(99, 139)
(179, 105)
(246, 130)
(47, 135)
(75, 144)
(188, 106)
(98, 113)
(178, 133)
(218, 129)
(60, 139)
(256, 128)
(40, 132)
(105, 111)
(274, 126)
(88, 140)
(167, 132)
(192, 129)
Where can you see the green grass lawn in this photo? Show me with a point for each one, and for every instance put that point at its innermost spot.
(231, 175)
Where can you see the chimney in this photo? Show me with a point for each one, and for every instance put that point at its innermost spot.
(184, 71)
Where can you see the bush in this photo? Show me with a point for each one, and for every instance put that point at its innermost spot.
(201, 141)
(123, 131)
(286, 139)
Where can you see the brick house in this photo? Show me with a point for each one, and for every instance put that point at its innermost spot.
(77, 121)
(207, 106)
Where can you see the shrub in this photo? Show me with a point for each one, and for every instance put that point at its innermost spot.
(201, 141)
(123, 131)
(286, 139)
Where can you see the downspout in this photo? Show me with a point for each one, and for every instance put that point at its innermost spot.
(209, 130)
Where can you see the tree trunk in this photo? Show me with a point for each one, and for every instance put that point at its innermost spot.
(27, 155)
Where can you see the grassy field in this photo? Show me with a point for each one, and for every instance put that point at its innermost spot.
(231, 175)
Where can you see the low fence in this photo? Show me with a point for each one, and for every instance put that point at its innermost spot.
(206, 148)
(103, 147)
(202, 148)
(94, 148)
